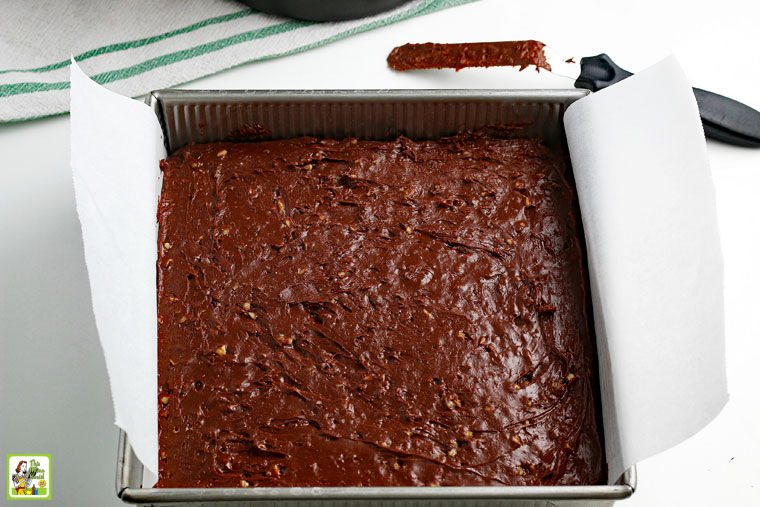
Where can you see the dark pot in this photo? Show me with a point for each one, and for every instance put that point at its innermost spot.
(324, 10)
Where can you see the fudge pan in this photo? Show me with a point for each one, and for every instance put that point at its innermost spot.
(206, 116)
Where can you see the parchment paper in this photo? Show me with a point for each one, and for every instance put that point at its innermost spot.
(648, 209)
(116, 145)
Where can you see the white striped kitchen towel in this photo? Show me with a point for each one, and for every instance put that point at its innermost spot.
(135, 46)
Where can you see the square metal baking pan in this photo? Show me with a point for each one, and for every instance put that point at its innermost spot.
(205, 116)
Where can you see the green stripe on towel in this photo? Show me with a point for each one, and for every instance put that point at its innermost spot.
(121, 46)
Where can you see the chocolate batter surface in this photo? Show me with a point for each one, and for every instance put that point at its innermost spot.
(365, 313)
(520, 53)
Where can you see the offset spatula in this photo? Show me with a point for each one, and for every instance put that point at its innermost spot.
(724, 119)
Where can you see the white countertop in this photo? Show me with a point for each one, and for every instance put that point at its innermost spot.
(54, 396)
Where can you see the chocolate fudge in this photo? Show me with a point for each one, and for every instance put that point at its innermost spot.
(373, 313)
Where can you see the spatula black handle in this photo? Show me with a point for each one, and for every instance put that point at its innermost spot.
(724, 119)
